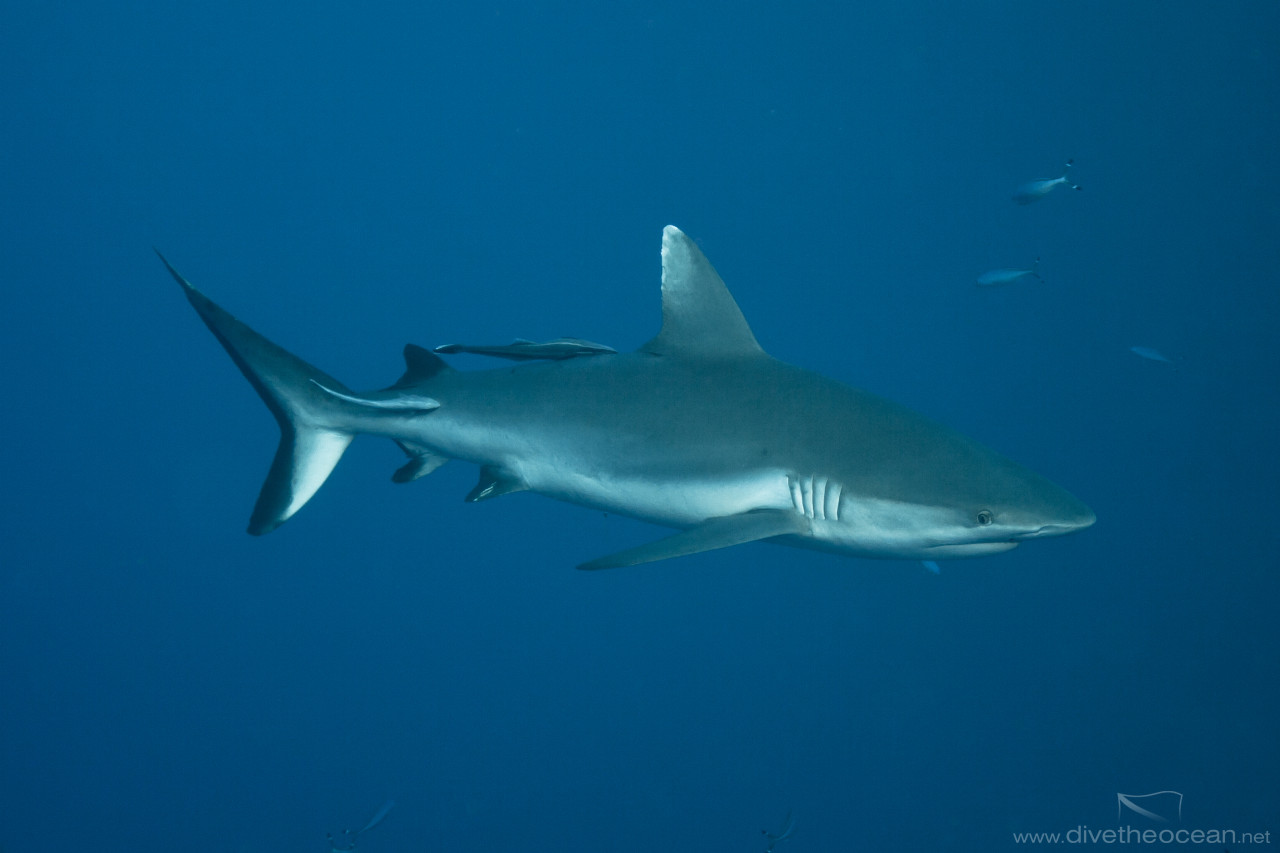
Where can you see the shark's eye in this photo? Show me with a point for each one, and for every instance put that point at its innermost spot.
(984, 517)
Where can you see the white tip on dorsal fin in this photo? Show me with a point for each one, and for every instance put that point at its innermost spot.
(699, 316)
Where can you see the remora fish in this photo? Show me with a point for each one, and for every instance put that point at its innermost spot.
(699, 429)
(1036, 190)
(526, 350)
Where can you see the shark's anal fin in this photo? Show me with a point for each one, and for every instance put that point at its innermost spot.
(421, 463)
(708, 536)
(495, 482)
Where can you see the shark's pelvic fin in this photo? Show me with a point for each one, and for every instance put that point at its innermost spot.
(309, 405)
(495, 483)
(699, 316)
(708, 536)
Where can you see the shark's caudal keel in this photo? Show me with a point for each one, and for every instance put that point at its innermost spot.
(699, 429)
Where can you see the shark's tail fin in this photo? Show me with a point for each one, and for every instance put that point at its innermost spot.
(316, 422)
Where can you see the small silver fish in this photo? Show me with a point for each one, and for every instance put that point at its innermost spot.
(788, 829)
(348, 838)
(1151, 354)
(995, 278)
(1036, 190)
(381, 813)
(526, 350)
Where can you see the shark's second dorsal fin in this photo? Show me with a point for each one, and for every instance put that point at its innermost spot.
(699, 316)
(420, 365)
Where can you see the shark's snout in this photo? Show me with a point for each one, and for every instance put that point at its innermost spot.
(1078, 518)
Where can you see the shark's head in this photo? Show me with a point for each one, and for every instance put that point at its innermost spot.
(906, 487)
(1008, 506)
(971, 518)
(928, 530)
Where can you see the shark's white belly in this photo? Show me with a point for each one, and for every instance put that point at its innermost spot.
(676, 502)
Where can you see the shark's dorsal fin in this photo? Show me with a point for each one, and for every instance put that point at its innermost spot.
(699, 316)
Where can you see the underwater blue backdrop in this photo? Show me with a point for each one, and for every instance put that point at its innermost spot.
(349, 177)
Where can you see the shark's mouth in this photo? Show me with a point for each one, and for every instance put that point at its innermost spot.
(1053, 530)
(1006, 541)
(1045, 530)
(969, 549)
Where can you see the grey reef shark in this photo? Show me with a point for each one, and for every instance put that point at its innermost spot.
(699, 429)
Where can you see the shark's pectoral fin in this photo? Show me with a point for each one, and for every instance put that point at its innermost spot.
(493, 483)
(708, 536)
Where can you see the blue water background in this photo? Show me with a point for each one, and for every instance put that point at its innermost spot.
(349, 177)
